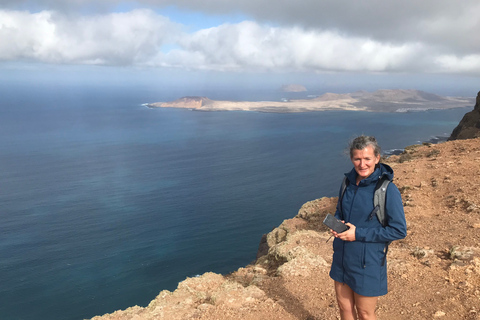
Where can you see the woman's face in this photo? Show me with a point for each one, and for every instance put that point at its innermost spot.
(364, 161)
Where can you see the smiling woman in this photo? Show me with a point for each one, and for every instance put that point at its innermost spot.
(359, 268)
(365, 155)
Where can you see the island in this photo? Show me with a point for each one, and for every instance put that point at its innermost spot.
(293, 88)
(384, 100)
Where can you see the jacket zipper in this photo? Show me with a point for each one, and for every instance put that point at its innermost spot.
(351, 204)
(343, 242)
(364, 254)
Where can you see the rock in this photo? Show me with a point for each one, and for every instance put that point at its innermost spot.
(439, 314)
(316, 210)
(463, 253)
(469, 126)
(233, 295)
(420, 253)
(262, 247)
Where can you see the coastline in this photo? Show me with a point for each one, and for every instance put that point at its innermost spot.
(400, 101)
(433, 140)
(291, 106)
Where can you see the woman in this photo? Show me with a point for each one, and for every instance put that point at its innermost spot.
(359, 269)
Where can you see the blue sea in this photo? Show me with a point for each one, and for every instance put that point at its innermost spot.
(105, 203)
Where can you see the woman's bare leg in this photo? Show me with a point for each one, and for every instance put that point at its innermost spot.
(365, 307)
(346, 301)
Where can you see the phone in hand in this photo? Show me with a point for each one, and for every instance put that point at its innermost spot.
(335, 224)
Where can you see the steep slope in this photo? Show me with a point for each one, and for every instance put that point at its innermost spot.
(469, 126)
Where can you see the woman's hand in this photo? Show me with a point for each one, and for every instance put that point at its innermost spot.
(348, 235)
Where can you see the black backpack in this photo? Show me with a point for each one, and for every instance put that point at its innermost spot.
(379, 198)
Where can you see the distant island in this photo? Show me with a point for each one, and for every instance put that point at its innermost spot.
(384, 100)
(293, 88)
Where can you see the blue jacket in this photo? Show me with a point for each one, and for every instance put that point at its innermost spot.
(359, 263)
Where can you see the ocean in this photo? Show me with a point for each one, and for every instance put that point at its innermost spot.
(105, 202)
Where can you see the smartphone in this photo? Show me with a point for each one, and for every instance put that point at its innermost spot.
(335, 224)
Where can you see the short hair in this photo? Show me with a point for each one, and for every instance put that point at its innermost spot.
(361, 142)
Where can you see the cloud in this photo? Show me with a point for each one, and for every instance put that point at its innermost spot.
(453, 25)
(312, 36)
(467, 65)
(250, 46)
(446, 23)
(112, 39)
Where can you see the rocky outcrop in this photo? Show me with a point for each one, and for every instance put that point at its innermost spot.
(469, 126)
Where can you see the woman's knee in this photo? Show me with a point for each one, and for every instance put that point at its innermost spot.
(366, 307)
(366, 314)
(346, 306)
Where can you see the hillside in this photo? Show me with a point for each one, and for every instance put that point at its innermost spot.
(433, 273)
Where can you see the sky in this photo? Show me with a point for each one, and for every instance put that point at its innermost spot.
(371, 44)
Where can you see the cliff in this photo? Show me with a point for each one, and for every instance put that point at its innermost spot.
(469, 126)
(433, 273)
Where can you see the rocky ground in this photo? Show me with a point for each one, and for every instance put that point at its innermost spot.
(434, 273)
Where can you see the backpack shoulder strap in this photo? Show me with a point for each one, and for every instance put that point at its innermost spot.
(342, 192)
(379, 199)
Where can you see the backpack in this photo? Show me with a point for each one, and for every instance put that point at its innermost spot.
(379, 198)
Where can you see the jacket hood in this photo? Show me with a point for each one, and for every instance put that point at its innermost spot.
(382, 170)
(386, 171)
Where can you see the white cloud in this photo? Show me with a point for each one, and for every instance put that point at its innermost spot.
(142, 37)
(250, 46)
(453, 25)
(112, 39)
(446, 23)
(469, 64)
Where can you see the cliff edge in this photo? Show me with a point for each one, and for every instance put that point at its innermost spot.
(434, 273)
(469, 126)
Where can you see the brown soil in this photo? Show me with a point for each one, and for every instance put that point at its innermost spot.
(434, 273)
